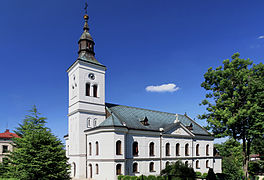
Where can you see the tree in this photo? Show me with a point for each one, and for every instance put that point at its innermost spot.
(211, 175)
(179, 170)
(234, 101)
(258, 146)
(38, 154)
(232, 163)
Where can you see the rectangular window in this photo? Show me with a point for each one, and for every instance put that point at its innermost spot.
(4, 149)
(87, 89)
(95, 90)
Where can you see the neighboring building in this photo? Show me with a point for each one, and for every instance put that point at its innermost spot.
(105, 140)
(6, 143)
(254, 157)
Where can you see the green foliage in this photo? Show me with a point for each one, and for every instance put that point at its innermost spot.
(256, 167)
(160, 178)
(151, 177)
(231, 150)
(198, 174)
(180, 170)
(38, 154)
(234, 101)
(222, 176)
(231, 170)
(120, 177)
(204, 175)
(143, 177)
(211, 175)
(258, 146)
(126, 177)
(133, 178)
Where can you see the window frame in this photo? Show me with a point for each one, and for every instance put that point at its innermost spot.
(119, 169)
(96, 148)
(178, 149)
(207, 150)
(95, 90)
(151, 167)
(96, 169)
(87, 89)
(151, 149)
(135, 167)
(118, 147)
(90, 148)
(167, 149)
(187, 149)
(4, 149)
(197, 150)
(135, 150)
(197, 164)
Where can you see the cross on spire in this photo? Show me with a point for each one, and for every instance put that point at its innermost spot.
(86, 7)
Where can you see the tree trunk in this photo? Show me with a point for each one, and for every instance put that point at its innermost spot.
(245, 161)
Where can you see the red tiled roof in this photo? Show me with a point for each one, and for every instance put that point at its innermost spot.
(254, 155)
(8, 135)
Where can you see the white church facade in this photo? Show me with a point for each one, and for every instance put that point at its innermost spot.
(105, 140)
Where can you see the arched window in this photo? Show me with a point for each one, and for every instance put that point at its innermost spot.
(186, 149)
(91, 170)
(167, 164)
(167, 149)
(88, 122)
(97, 169)
(94, 122)
(177, 149)
(135, 167)
(151, 149)
(118, 147)
(197, 150)
(97, 148)
(87, 89)
(90, 148)
(135, 149)
(197, 165)
(74, 169)
(207, 163)
(118, 169)
(95, 87)
(207, 150)
(151, 167)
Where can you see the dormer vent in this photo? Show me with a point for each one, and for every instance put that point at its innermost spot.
(145, 121)
(190, 127)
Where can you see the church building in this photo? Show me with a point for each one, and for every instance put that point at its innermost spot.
(105, 140)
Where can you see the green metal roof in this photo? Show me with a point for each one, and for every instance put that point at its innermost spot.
(130, 117)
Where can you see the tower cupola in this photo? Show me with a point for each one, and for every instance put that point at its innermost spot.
(86, 42)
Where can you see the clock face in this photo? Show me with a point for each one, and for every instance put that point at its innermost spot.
(91, 76)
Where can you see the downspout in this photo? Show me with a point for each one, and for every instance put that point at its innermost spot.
(86, 156)
(192, 153)
(161, 132)
(126, 171)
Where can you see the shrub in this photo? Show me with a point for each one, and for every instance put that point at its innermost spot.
(204, 175)
(160, 178)
(198, 174)
(126, 178)
(120, 177)
(151, 177)
(211, 175)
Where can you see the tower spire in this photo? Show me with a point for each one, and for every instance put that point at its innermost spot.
(86, 42)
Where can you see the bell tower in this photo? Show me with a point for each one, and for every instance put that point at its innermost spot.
(86, 101)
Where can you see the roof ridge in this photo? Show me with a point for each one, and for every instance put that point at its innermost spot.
(143, 109)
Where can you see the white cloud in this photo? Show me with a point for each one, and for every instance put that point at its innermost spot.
(261, 37)
(163, 88)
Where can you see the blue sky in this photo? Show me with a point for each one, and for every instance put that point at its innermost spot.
(142, 43)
